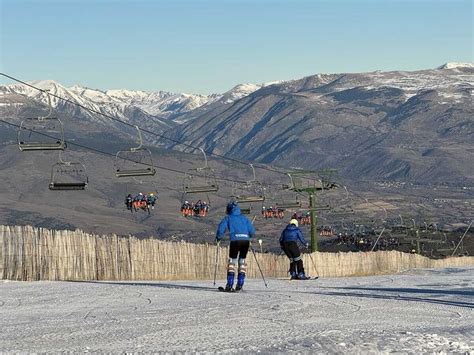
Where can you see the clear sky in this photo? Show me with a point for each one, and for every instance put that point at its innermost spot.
(205, 46)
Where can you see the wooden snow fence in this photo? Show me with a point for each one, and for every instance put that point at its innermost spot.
(29, 253)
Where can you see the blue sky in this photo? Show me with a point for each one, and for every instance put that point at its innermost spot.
(206, 46)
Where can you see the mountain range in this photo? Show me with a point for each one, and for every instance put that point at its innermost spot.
(410, 126)
(398, 125)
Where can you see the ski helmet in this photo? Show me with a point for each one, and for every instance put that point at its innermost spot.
(294, 221)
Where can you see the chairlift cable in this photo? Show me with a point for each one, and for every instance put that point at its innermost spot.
(86, 147)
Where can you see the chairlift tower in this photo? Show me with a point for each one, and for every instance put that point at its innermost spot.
(302, 182)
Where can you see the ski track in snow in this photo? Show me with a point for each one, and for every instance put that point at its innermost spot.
(416, 311)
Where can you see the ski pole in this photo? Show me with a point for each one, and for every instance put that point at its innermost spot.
(314, 264)
(217, 261)
(261, 273)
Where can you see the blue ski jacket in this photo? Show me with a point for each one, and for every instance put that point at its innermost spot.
(292, 234)
(239, 227)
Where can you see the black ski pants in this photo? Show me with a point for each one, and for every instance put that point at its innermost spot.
(239, 248)
(293, 253)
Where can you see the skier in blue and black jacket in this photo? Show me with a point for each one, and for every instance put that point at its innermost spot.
(240, 230)
(289, 244)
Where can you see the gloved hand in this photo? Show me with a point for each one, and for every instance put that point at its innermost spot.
(217, 240)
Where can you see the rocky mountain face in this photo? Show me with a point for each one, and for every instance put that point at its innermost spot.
(415, 126)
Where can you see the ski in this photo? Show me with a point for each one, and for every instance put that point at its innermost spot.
(222, 289)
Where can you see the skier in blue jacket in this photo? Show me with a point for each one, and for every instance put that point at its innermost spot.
(240, 230)
(288, 242)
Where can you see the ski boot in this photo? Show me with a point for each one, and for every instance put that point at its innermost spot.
(229, 287)
(293, 275)
(302, 276)
(240, 281)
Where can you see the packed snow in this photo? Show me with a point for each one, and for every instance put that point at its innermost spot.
(417, 311)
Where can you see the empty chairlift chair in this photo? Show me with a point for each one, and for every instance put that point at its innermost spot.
(288, 199)
(68, 176)
(248, 193)
(41, 133)
(136, 161)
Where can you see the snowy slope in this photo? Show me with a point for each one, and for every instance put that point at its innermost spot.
(454, 65)
(89, 99)
(161, 103)
(422, 311)
(240, 91)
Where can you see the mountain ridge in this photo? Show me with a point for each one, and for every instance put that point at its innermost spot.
(350, 121)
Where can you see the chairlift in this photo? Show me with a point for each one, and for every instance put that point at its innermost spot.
(246, 210)
(337, 211)
(302, 181)
(68, 176)
(136, 161)
(138, 198)
(41, 133)
(319, 208)
(343, 207)
(288, 199)
(199, 182)
(250, 191)
(277, 202)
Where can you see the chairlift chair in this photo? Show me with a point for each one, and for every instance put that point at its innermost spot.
(68, 176)
(246, 210)
(302, 181)
(200, 180)
(135, 161)
(288, 199)
(248, 192)
(337, 211)
(319, 208)
(41, 133)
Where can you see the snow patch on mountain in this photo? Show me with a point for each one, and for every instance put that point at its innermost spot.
(95, 105)
(242, 90)
(455, 65)
(238, 92)
(410, 82)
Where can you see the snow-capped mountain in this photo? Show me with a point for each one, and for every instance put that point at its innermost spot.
(160, 103)
(444, 79)
(454, 65)
(163, 105)
(92, 103)
(240, 91)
